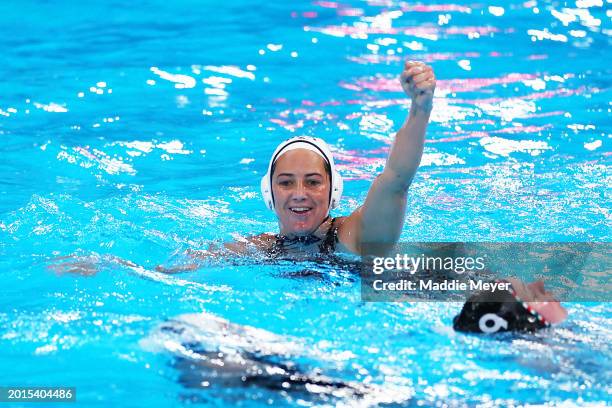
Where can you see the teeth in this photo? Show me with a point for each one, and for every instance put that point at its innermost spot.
(300, 209)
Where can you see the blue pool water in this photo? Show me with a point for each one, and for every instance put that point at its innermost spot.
(140, 131)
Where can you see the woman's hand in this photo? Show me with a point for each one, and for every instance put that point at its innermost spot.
(419, 82)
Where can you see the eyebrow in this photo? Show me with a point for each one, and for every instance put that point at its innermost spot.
(293, 175)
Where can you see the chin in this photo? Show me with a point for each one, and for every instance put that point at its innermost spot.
(306, 226)
(300, 231)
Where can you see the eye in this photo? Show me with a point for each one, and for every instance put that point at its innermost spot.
(285, 183)
(313, 182)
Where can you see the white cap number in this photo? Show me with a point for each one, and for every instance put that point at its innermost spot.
(498, 322)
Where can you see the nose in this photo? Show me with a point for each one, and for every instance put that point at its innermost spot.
(299, 193)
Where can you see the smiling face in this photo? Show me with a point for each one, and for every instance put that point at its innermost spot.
(540, 300)
(300, 186)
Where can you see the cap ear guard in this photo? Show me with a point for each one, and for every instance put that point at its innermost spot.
(337, 184)
(266, 191)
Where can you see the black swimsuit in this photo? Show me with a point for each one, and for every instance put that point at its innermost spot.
(282, 245)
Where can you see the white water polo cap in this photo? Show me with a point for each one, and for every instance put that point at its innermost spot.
(314, 144)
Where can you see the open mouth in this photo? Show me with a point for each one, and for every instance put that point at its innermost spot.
(300, 210)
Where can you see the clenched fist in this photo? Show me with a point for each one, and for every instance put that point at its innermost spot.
(419, 82)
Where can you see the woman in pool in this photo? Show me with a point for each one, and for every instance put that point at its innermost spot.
(302, 185)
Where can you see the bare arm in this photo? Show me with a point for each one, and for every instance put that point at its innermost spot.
(381, 218)
(244, 246)
(193, 259)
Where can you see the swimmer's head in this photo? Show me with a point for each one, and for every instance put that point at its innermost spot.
(301, 184)
(523, 308)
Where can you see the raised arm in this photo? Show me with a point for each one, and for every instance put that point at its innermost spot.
(381, 218)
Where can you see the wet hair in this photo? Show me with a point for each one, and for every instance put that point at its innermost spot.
(497, 311)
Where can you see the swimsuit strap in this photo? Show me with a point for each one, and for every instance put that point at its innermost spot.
(331, 239)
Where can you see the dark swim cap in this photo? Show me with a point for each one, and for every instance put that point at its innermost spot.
(497, 311)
